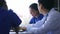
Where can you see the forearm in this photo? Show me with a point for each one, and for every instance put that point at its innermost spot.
(17, 29)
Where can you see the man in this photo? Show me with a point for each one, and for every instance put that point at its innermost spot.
(8, 19)
(50, 24)
(35, 13)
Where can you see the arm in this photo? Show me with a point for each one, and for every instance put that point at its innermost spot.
(17, 29)
(52, 23)
(15, 21)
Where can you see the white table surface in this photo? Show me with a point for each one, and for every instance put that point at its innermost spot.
(20, 33)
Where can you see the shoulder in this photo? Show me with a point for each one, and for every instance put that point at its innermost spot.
(32, 18)
(54, 17)
(54, 14)
(41, 15)
(11, 13)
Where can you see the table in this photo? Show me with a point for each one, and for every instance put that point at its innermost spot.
(20, 33)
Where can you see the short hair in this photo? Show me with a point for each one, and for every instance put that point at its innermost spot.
(34, 6)
(48, 4)
(2, 3)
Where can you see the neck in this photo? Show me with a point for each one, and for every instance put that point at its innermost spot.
(45, 12)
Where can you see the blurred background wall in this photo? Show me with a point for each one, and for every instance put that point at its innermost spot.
(57, 5)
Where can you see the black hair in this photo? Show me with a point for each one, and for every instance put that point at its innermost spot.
(34, 6)
(47, 4)
(3, 4)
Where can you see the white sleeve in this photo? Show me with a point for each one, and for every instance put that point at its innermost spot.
(52, 23)
(34, 26)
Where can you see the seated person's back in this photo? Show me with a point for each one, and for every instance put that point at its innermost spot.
(7, 18)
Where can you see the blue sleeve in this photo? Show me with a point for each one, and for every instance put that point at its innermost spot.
(16, 21)
(32, 21)
(41, 16)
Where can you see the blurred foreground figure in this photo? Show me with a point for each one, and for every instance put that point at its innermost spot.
(8, 19)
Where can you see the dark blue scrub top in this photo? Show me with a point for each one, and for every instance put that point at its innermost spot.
(7, 19)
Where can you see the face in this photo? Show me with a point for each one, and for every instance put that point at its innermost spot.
(33, 12)
(40, 8)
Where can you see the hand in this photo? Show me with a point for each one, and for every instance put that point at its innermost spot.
(23, 28)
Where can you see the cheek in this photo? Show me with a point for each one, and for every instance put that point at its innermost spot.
(39, 8)
(40, 11)
(33, 14)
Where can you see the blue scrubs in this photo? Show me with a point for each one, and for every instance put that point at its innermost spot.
(7, 19)
(34, 19)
